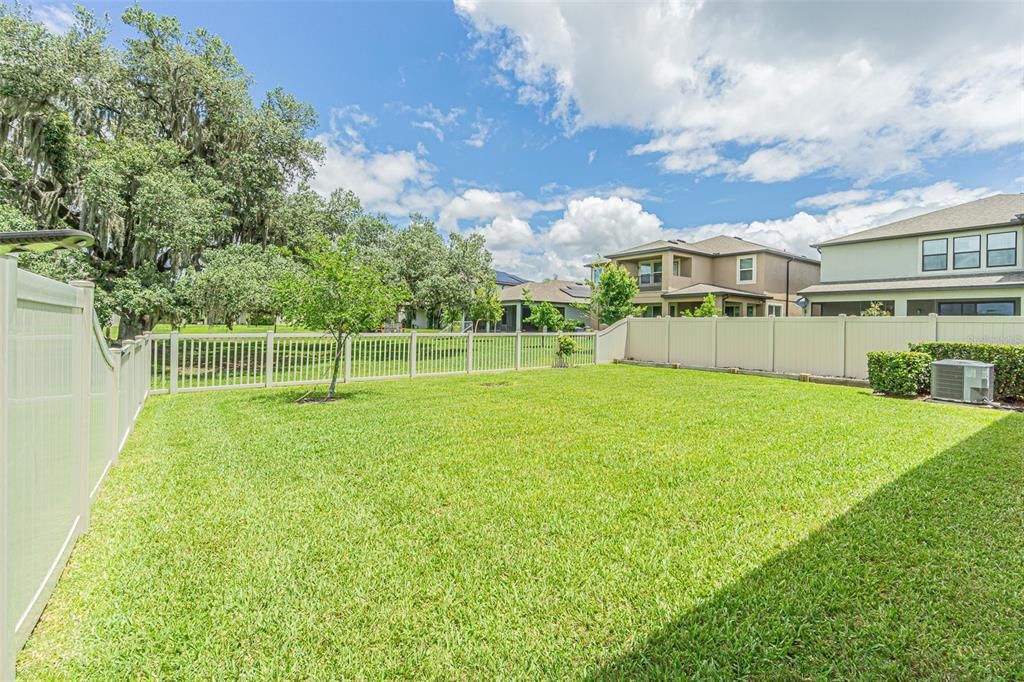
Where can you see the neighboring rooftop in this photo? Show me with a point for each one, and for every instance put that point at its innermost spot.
(705, 289)
(999, 209)
(552, 290)
(722, 245)
(1008, 279)
(507, 279)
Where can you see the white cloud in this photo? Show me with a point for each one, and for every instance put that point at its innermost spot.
(56, 18)
(770, 91)
(588, 227)
(395, 182)
(847, 212)
(482, 129)
(435, 120)
(477, 204)
(591, 155)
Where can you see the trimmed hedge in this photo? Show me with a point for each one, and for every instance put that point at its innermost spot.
(899, 372)
(1009, 361)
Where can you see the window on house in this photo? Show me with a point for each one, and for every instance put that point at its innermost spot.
(682, 267)
(775, 309)
(650, 273)
(746, 269)
(966, 252)
(751, 310)
(732, 310)
(1002, 250)
(934, 254)
(977, 308)
(595, 274)
(652, 310)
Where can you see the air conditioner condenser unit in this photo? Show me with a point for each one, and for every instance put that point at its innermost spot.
(963, 381)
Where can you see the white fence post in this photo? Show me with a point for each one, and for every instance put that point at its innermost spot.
(8, 304)
(268, 362)
(173, 342)
(519, 351)
(469, 352)
(412, 353)
(81, 370)
(115, 353)
(348, 360)
(771, 343)
(668, 339)
(934, 320)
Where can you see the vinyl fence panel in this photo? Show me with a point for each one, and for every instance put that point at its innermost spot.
(65, 400)
(823, 346)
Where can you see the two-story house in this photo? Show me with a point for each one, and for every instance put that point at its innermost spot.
(746, 279)
(963, 260)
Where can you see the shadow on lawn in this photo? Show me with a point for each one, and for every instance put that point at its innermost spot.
(922, 579)
(293, 396)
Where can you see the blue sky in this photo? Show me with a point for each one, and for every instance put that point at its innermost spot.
(565, 131)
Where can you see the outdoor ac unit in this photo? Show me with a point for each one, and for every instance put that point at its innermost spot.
(963, 381)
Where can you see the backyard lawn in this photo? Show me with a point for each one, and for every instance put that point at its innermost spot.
(599, 522)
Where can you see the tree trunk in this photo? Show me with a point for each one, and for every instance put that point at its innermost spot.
(337, 366)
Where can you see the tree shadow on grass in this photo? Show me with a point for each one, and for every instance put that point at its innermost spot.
(303, 395)
(925, 578)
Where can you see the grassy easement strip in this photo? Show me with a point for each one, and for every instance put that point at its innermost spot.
(605, 521)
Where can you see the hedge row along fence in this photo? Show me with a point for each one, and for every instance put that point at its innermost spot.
(1009, 361)
(909, 372)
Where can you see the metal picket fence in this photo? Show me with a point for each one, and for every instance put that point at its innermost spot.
(199, 362)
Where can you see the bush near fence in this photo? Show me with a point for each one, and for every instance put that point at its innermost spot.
(1008, 359)
(899, 372)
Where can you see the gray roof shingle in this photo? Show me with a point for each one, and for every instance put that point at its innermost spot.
(999, 209)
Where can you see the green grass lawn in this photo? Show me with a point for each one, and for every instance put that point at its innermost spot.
(602, 522)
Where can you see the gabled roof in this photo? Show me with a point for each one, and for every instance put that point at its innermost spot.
(552, 291)
(705, 289)
(999, 209)
(721, 245)
(1007, 279)
(507, 279)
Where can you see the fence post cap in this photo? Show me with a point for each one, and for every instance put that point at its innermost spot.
(82, 283)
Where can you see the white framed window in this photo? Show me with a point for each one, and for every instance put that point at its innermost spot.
(967, 252)
(595, 274)
(775, 309)
(650, 273)
(732, 309)
(745, 269)
(934, 254)
(1001, 249)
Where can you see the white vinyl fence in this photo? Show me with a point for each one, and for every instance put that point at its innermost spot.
(67, 404)
(823, 346)
(198, 362)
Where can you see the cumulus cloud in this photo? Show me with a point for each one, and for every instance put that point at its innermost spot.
(549, 245)
(769, 91)
(395, 182)
(846, 212)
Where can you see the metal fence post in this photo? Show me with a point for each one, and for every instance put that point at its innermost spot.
(173, 342)
(8, 305)
(82, 390)
(412, 353)
(469, 352)
(348, 360)
(268, 362)
(519, 350)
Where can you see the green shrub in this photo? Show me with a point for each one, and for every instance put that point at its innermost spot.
(899, 372)
(1009, 361)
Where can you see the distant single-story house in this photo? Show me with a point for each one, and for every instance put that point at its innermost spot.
(561, 293)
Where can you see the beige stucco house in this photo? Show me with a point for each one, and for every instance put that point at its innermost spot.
(747, 279)
(963, 260)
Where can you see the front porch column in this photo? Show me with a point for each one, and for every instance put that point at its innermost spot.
(664, 308)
